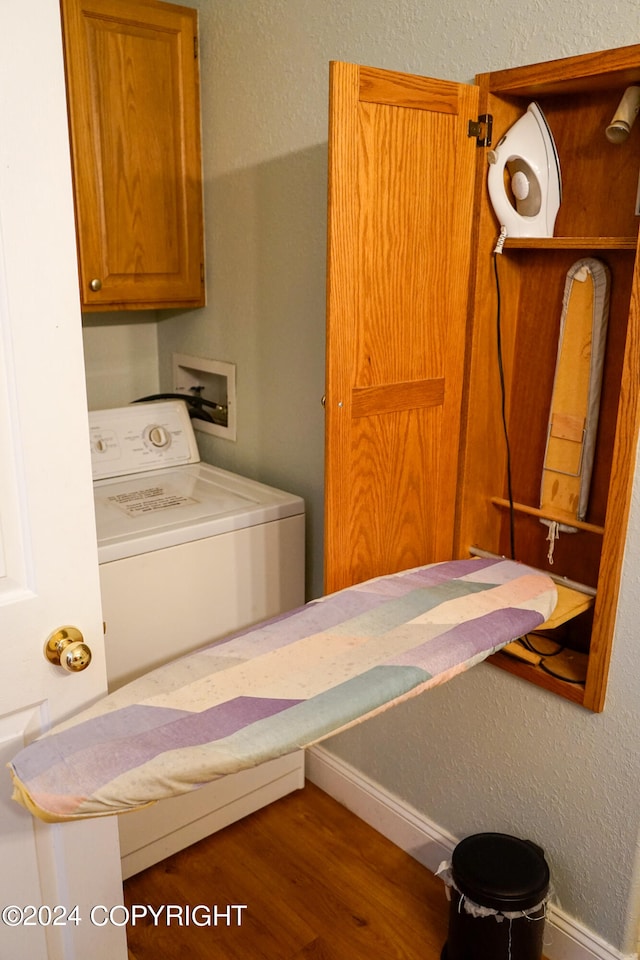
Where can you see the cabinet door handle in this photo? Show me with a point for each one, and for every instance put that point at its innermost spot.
(95, 284)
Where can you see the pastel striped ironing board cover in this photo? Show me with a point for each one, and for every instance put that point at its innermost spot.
(279, 686)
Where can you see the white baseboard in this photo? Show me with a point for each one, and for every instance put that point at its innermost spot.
(565, 938)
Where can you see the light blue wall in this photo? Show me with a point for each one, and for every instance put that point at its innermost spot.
(121, 357)
(486, 751)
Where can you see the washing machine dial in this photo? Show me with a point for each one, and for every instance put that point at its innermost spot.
(158, 437)
(139, 437)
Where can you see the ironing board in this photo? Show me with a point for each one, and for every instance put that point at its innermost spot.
(278, 687)
(575, 403)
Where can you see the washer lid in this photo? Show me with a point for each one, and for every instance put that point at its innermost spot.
(162, 508)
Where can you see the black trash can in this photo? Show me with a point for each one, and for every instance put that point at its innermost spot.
(499, 889)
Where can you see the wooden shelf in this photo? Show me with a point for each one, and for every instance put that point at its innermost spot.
(571, 243)
(571, 603)
(513, 659)
(585, 73)
(537, 676)
(545, 515)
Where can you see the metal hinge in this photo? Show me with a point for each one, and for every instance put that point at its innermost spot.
(195, 48)
(483, 125)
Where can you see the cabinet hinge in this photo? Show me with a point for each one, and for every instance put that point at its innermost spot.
(195, 48)
(483, 125)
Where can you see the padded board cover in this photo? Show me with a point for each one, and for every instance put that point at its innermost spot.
(575, 403)
(278, 687)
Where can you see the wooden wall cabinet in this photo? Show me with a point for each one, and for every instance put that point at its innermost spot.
(370, 451)
(134, 122)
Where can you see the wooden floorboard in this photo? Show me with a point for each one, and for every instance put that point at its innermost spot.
(318, 884)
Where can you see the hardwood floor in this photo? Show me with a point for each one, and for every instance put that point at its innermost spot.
(317, 883)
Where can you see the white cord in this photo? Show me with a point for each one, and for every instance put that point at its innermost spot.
(554, 534)
(501, 239)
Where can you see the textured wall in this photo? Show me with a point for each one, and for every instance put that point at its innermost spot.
(486, 751)
(121, 357)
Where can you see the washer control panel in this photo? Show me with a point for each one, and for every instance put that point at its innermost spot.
(140, 437)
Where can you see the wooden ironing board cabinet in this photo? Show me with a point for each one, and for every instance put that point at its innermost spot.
(441, 448)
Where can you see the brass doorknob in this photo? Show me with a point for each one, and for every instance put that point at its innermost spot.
(66, 648)
(95, 284)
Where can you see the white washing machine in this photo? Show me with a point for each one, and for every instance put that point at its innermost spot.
(188, 553)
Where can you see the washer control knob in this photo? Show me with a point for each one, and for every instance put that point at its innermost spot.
(158, 436)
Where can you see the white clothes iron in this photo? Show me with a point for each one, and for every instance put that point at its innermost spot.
(525, 185)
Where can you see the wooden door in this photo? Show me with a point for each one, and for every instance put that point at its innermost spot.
(48, 553)
(134, 117)
(401, 188)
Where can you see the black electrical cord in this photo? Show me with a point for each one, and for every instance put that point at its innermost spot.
(526, 642)
(195, 405)
(503, 395)
(560, 676)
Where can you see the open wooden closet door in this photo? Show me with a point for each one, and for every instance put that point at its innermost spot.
(401, 202)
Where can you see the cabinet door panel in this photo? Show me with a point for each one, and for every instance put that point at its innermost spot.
(401, 178)
(134, 108)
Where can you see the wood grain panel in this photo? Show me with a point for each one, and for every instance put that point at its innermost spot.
(393, 397)
(587, 158)
(393, 497)
(619, 501)
(130, 202)
(134, 117)
(400, 204)
(614, 69)
(404, 295)
(407, 90)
